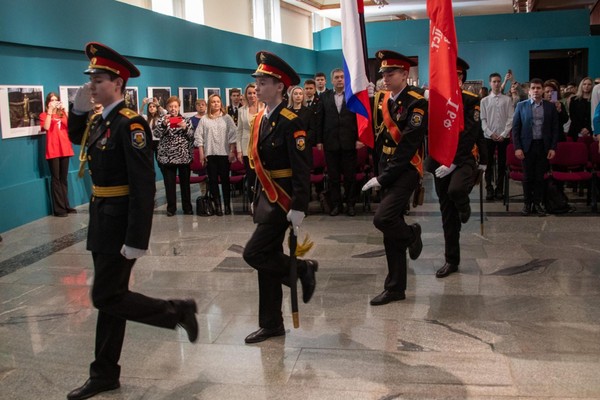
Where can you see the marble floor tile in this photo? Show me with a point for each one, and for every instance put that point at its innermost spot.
(519, 321)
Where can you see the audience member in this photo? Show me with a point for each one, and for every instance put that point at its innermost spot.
(246, 115)
(297, 103)
(216, 137)
(235, 102)
(483, 92)
(535, 137)
(200, 112)
(496, 122)
(580, 110)
(517, 93)
(321, 82)
(403, 112)
(454, 183)
(175, 153)
(58, 151)
(552, 95)
(310, 93)
(339, 135)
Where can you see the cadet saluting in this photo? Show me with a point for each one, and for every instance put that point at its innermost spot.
(122, 169)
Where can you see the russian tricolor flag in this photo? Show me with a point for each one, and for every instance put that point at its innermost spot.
(355, 72)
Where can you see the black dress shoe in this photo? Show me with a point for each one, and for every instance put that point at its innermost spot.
(187, 320)
(92, 387)
(188, 212)
(465, 214)
(351, 211)
(227, 210)
(387, 297)
(446, 270)
(335, 211)
(538, 209)
(308, 280)
(71, 211)
(170, 213)
(415, 248)
(218, 212)
(526, 209)
(264, 333)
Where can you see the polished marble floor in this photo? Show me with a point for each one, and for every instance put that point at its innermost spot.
(520, 321)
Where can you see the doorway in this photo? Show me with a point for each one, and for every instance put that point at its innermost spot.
(564, 65)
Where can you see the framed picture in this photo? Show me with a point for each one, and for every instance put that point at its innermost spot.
(228, 95)
(20, 109)
(131, 98)
(161, 94)
(67, 95)
(210, 91)
(188, 96)
(473, 86)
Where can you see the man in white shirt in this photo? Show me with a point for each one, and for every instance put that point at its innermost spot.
(496, 122)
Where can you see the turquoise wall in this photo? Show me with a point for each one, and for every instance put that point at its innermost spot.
(41, 43)
(491, 43)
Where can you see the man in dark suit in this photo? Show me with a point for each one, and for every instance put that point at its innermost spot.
(121, 167)
(535, 132)
(235, 99)
(454, 183)
(404, 115)
(339, 139)
(279, 155)
(321, 82)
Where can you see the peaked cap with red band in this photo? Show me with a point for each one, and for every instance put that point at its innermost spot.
(103, 59)
(461, 65)
(391, 60)
(271, 65)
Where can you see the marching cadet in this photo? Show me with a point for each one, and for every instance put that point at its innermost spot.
(454, 183)
(278, 152)
(404, 115)
(121, 166)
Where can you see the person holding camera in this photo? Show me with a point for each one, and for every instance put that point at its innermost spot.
(175, 154)
(58, 152)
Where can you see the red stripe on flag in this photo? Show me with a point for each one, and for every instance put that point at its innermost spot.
(446, 119)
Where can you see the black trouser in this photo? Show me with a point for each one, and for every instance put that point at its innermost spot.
(397, 235)
(341, 162)
(218, 167)
(453, 193)
(170, 173)
(492, 146)
(535, 165)
(59, 171)
(264, 252)
(250, 179)
(116, 304)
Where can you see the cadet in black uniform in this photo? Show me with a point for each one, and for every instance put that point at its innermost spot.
(279, 156)
(453, 184)
(404, 115)
(121, 166)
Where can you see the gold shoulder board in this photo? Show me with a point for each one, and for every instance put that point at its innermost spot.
(288, 114)
(415, 95)
(469, 93)
(127, 112)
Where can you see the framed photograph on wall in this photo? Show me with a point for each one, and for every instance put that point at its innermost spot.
(227, 98)
(161, 93)
(67, 95)
(210, 91)
(188, 96)
(131, 98)
(20, 109)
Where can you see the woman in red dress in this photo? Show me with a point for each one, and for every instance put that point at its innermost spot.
(58, 151)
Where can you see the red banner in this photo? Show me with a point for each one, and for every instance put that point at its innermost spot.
(446, 119)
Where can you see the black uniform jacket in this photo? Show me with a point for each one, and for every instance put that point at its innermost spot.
(409, 113)
(470, 136)
(282, 145)
(119, 153)
(338, 130)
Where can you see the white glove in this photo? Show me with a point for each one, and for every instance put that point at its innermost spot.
(82, 102)
(482, 167)
(371, 89)
(131, 252)
(443, 171)
(295, 217)
(372, 183)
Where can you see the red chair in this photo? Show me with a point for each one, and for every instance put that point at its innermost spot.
(198, 171)
(237, 176)
(363, 173)
(570, 164)
(318, 171)
(595, 168)
(514, 171)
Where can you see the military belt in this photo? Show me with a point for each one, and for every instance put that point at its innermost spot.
(280, 173)
(388, 150)
(110, 191)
